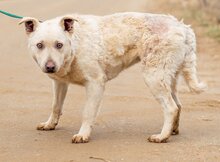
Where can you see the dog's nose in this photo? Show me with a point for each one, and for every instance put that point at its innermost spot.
(50, 67)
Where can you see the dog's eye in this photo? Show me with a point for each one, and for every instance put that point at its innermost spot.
(40, 46)
(59, 45)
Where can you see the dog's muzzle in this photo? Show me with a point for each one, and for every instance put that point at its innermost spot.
(50, 67)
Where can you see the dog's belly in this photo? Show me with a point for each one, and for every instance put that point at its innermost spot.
(112, 68)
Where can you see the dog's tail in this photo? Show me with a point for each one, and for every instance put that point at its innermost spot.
(189, 65)
(190, 74)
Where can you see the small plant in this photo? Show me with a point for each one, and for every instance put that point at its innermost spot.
(212, 28)
(214, 32)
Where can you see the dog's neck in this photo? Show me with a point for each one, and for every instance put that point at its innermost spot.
(70, 73)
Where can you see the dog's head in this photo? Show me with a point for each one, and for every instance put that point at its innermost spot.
(50, 42)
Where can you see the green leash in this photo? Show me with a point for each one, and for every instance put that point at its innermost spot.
(11, 15)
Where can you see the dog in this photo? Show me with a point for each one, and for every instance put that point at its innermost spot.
(91, 50)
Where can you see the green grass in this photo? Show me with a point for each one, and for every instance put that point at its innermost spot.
(197, 15)
(211, 27)
(214, 32)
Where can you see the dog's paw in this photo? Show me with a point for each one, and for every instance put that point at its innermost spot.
(77, 138)
(157, 139)
(46, 126)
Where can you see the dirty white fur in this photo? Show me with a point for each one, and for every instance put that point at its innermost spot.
(97, 49)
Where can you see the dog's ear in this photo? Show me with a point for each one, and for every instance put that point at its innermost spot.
(67, 23)
(30, 24)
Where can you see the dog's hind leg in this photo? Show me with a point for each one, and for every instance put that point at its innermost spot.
(161, 89)
(60, 90)
(159, 70)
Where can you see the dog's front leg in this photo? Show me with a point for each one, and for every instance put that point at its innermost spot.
(94, 91)
(60, 90)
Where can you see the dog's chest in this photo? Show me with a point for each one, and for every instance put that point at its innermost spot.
(74, 76)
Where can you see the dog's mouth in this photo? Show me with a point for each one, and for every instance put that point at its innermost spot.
(50, 72)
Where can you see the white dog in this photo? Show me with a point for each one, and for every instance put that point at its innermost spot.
(91, 50)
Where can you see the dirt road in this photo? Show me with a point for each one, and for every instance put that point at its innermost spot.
(129, 113)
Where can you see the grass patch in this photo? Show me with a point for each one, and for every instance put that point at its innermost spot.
(212, 28)
(214, 32)
(195, 15)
